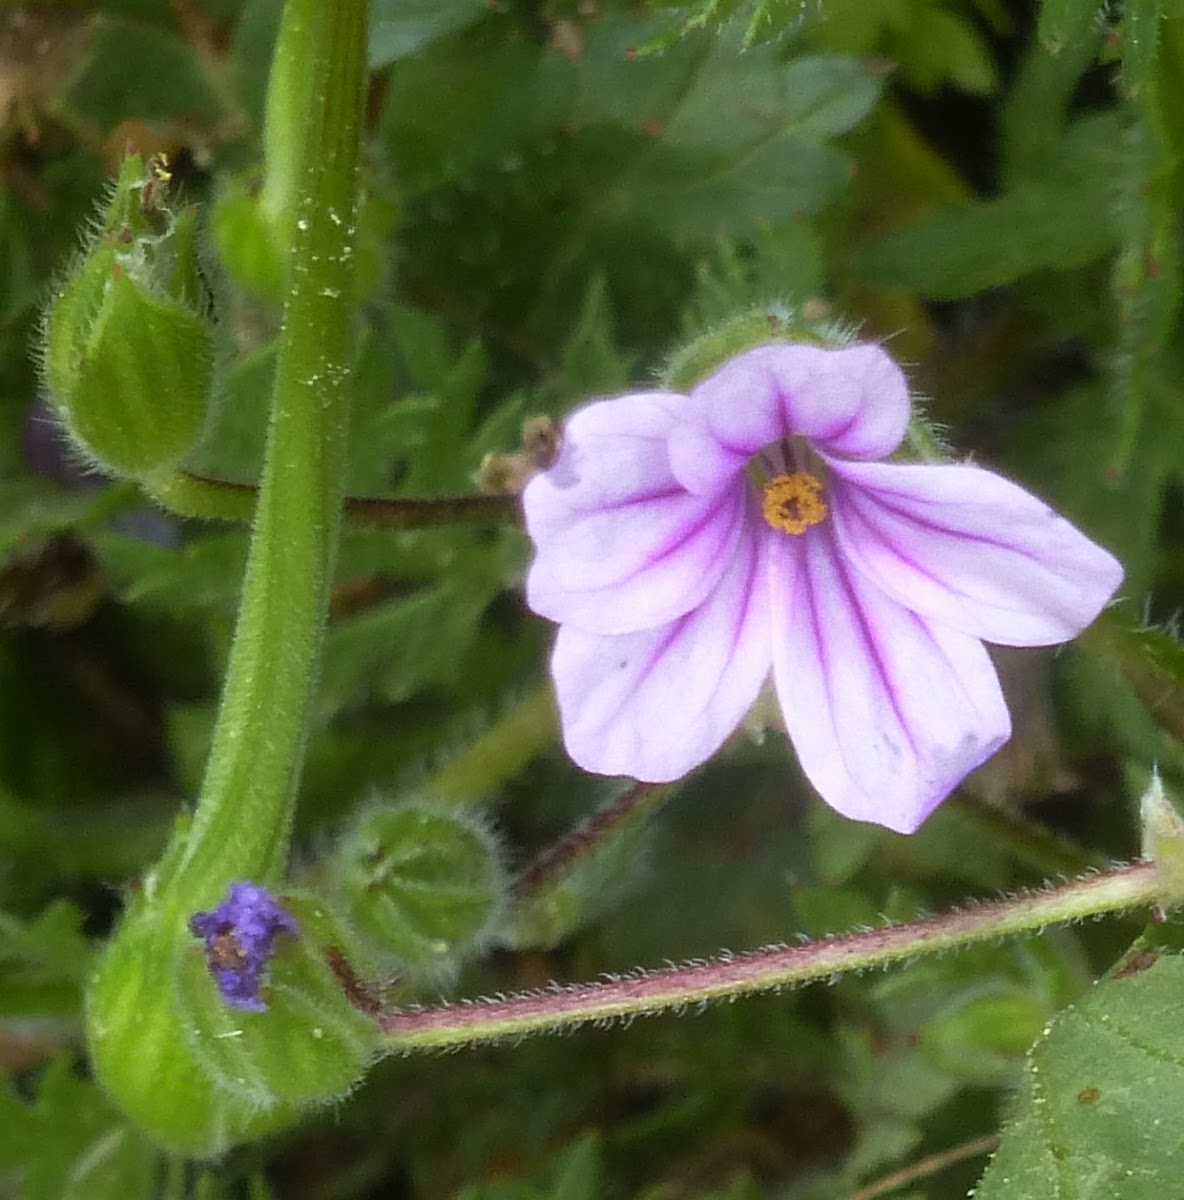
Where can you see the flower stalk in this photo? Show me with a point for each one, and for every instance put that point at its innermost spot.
(634, 805)
(163, 1042)
(555, 893)
(240, 828)
(646, 993)
(191, 495)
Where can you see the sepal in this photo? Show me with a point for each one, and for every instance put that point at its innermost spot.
(810, 323)
(310, 1045)
(200, 1075)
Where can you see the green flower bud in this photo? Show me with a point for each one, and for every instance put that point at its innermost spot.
(206, 1050)
(128, 352)
(1163, 842)
(422, 884)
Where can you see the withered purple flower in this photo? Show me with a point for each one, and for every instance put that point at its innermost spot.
(689, 546)
(239, 935)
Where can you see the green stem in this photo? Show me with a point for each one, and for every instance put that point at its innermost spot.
(633, 806)
(927, 1167)
(241, 824)
(190, 495)
(548, 893)
(296, 59)
(174, 1179)
(563, 1006)
(498, 754)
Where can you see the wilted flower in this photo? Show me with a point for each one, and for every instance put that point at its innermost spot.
(689, 545)
(239, 936)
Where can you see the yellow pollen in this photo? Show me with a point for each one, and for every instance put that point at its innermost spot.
(793, 502)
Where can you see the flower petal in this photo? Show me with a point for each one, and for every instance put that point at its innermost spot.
(967, 548)
(656, 704)
(887, 712)
(621, 545)
(852, 401)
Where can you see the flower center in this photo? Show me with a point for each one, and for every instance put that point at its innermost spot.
(793, 502)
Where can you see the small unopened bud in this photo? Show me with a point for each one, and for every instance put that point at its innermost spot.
(423, 885)
(1163, 842)
(128, 349)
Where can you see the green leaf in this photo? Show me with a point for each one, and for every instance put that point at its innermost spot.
(781, 263)
(136, 71)
(1035, 112)
(592, 364)
(53, 944)
(490, 107)
(1097, 1116)
(71, 1144)
(1058, 217)
(31, 508)
(1150, 661)
(401, 28)
(576, 1175)
(1049, 224)
(423, 433)
(1146, 280)
(602, 164)
(392, 652)
(747, 143)
(204, 573)
(701, 197)
(951, 53)
(735, 100)
(233, 447)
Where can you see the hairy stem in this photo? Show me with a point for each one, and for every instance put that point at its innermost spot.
(241, 824)
(563, 1006)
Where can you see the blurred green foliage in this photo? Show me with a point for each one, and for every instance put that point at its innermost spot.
(559, 192)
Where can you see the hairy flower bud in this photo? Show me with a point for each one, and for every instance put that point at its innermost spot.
(209, 1045)
(1163, 841)
(128, 350)
(423, 884)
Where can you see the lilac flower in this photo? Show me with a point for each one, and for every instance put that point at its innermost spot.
(239, 936)
(690, 545)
